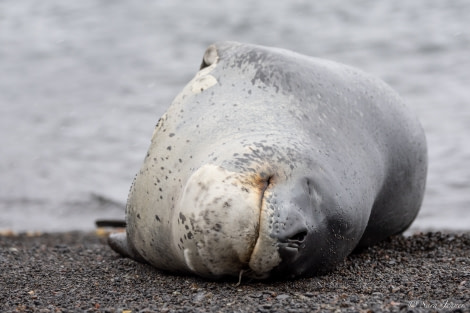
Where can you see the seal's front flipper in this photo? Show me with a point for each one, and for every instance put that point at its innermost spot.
(118, 242)
(111, 223)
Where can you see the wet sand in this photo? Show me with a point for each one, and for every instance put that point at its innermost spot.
(78, 272)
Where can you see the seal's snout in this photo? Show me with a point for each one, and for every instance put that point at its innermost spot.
(293, 232)
(292, 238)
(290, 228)
(296, 240)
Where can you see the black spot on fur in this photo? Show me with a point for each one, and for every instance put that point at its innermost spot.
(182, 217)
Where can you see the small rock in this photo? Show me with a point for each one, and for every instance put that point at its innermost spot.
(255, 295)
(199, 296)
(282, 297)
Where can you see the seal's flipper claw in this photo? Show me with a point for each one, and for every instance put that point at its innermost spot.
(118, 242)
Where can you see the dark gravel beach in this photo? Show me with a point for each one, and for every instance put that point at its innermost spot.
(78, 272)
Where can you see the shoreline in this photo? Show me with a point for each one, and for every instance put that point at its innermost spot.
(78, 272)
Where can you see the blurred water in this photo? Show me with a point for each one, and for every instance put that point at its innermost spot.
(82, 84)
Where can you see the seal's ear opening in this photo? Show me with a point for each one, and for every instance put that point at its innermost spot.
(210, 57)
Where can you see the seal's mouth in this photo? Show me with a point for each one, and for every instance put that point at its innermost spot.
(263, 184)
(263, 255)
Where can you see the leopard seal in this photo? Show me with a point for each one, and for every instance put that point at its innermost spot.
(274, 164)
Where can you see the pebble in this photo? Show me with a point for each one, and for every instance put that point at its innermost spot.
(282, 297)
(78, 272)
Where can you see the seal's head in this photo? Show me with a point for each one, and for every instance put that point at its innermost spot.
(259, 224)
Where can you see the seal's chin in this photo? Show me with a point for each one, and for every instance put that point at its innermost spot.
(223, 225)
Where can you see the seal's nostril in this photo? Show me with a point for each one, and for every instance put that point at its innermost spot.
(298, 237)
